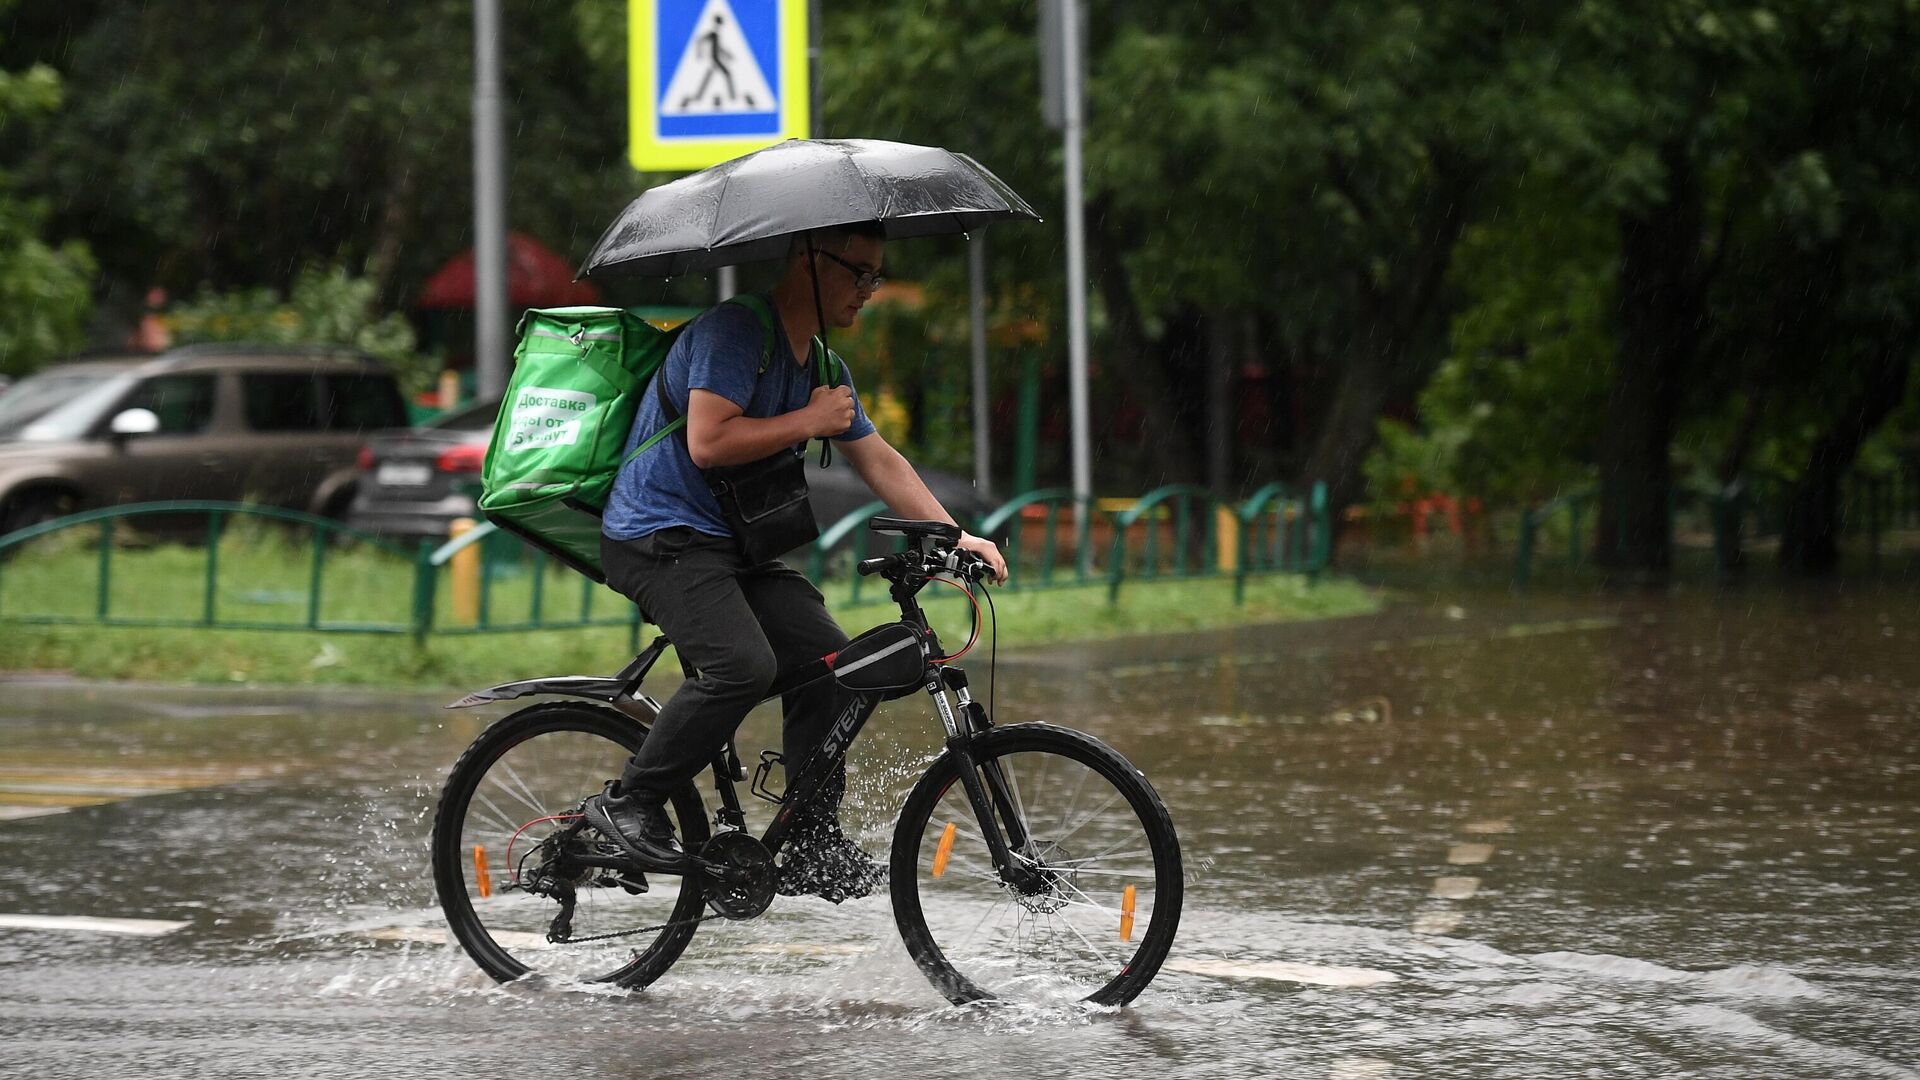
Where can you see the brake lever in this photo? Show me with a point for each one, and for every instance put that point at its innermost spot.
(964, 564)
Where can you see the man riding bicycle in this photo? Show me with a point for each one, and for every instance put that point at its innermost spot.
(666, 544)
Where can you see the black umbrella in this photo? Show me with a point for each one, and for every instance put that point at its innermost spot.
(746, 209)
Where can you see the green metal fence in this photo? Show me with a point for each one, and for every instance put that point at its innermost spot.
(850, 530)
(1015, 523)
(265, 568)
(1573, 507)
(1871, 506)
(1176, 525)
(98, 601)
(1281, 532)
(512, 577)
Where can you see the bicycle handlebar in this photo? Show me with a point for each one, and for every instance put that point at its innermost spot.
(956, 561)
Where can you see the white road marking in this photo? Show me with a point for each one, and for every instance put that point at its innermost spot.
(424, 935)
(15, 813)
(1469, 854)
(515, 939)
(805, 948)
(438, 935)
(90, 924)
(1437, 922)
(1455, 888)
(1283, 971)
(105, 790)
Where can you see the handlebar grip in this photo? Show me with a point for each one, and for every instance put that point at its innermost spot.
(973, 567)
(870, 567)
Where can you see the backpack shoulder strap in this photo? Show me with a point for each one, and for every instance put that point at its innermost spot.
(646, 444)
(762, 310)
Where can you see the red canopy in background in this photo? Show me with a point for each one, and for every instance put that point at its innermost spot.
(536, 277)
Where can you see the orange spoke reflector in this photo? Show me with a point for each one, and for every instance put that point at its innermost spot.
(485, 882)
(944, 851)
(1126, 914)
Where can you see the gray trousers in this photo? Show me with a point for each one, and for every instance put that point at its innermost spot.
(739, 627)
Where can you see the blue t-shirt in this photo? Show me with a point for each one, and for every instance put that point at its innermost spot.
(719, 352)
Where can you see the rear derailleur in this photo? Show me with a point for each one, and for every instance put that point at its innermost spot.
(568, 859)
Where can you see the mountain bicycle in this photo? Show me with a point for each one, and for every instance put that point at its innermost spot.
(1029, 861)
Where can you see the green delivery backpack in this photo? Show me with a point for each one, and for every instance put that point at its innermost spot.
(578, 377)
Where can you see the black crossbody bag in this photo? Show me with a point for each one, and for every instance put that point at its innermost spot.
(765, 502)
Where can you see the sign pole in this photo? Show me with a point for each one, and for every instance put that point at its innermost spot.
(814, 126)
(1076, 278)
(982, 414)
(489, 206)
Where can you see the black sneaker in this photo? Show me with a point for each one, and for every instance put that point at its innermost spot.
(822, 861)
(641, 829)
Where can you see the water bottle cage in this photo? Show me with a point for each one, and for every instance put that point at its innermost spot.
(759, 787)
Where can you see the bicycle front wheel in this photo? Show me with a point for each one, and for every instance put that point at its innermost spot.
(506, 844)
(1090, 907)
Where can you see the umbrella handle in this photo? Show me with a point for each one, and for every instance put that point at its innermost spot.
(820, 323)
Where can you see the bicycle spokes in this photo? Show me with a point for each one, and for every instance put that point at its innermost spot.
(528, 886)
(1057, 921)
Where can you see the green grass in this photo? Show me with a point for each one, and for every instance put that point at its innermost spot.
(263, 576)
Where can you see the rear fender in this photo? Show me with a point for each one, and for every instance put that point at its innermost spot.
(610, 691)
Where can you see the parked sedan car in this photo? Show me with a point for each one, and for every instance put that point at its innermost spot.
(416, 482)
(275, 424)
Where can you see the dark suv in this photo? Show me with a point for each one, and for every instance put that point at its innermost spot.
(274, 424)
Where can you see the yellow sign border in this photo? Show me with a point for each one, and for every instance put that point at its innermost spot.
(648, 152)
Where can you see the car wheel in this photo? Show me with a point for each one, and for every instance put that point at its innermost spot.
(335, 510)
(34, 507)
(338, 504)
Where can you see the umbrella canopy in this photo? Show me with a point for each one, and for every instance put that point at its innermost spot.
(745, 210)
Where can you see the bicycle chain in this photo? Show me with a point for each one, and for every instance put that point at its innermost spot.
(641, 930)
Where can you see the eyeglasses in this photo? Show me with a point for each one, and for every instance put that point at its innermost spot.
(864, 279)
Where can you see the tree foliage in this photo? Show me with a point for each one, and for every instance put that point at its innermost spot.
(319, 134)
(45, 288)
(325, 306)
(1634, 242)
(1708, 267)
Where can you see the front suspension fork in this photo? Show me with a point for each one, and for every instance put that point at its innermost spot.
(988, 791)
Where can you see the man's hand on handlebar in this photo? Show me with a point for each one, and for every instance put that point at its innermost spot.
(988, 552)
(972, 558)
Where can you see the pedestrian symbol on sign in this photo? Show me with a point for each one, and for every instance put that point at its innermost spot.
(718, 73)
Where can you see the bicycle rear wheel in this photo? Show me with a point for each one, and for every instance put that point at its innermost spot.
(502, 844)
(1093, 911)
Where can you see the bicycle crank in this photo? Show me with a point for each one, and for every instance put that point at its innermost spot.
(739, 874)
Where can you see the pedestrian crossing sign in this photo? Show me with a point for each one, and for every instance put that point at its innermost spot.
(709, 80)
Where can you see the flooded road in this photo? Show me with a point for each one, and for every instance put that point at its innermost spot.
(1484, 838)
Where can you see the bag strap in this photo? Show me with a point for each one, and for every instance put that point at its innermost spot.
(762, 310)
(758, 304)
(826, 372)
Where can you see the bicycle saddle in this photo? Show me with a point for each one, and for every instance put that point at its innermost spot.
(917, 530)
